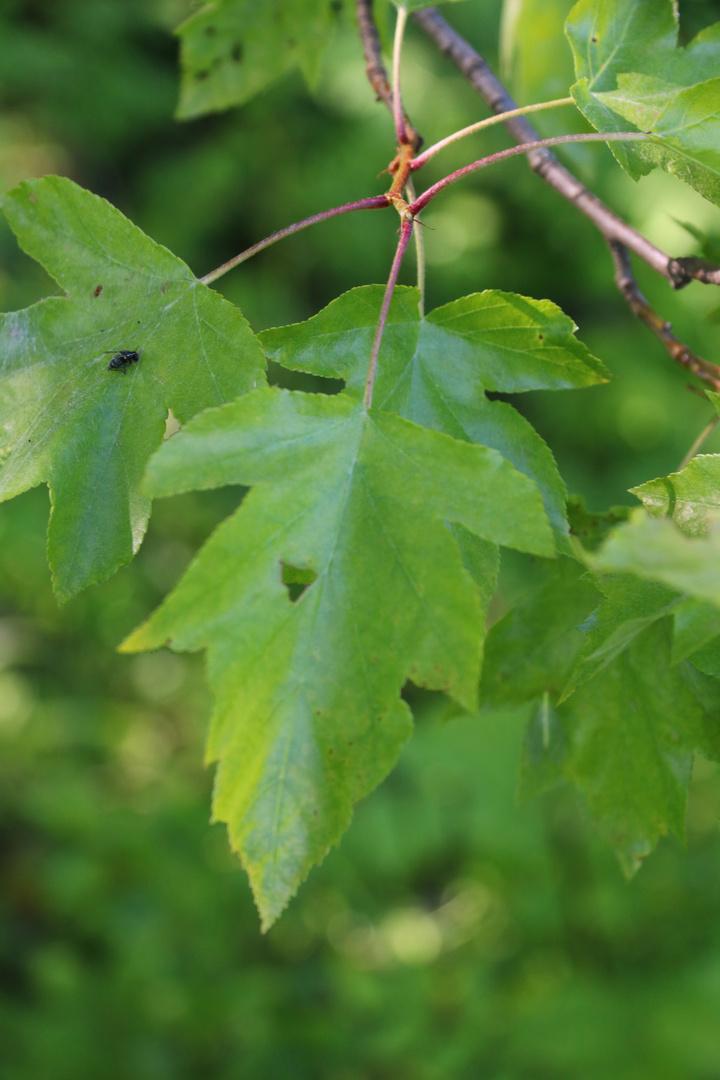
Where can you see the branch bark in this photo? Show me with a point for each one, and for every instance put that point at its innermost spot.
(678, 272)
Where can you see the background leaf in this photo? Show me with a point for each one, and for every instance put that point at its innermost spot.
(68, 421)
(232, 49)
(530, 651)
(629, 608)
(632, 737)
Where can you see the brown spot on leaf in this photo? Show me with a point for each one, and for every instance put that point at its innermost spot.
(32, 197)
(97, 290)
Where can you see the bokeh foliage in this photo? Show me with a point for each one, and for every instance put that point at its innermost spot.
(455, 932)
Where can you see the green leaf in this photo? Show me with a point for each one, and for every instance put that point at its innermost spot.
(65, 419)
(531, 650)
(230, 50)
(589, 529)
(435, 370)
(545, 748)
(696, 624)
(707, 658)
(309, 716)
(631, 735)
(689, 497)
(654, 548)
(628, 65)
(687, 122)
(706, 690)
(611, 36)
(629, 608)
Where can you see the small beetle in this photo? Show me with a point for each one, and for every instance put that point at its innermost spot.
(123, 359)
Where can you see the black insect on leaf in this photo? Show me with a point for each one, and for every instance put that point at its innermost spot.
(122, 360)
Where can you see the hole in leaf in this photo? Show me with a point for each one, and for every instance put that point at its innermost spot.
(296, 580)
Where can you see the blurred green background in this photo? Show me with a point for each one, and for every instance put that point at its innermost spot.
(455, 932)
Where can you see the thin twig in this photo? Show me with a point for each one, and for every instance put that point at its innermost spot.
(706, 431)
(489, 121)
(377, 202)
(628, 286)
(376, 73)
(406, 231)
(545, 164)
(419, 252)
(400, 24)
(372, 50)
(525, 148)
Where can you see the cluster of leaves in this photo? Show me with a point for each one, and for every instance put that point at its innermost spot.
(366, 552)
(630, 69)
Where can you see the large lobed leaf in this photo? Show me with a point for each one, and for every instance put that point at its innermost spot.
(632, 74)
(309, 716)
(65, 419)
(436, 368)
